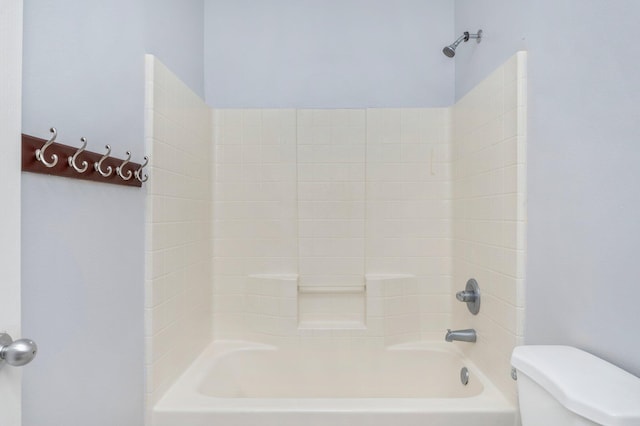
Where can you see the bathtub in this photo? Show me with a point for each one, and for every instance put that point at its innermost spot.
(247, 384)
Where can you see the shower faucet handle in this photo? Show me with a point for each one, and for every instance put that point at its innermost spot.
(466, 296)
(471, 296)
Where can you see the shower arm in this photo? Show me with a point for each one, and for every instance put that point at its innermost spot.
(466, 36)
(463, 37)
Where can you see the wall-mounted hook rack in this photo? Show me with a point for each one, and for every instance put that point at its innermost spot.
(103, 167)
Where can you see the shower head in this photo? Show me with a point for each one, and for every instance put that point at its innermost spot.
(450, 50)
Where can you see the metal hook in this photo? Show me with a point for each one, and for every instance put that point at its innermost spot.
(40, 152)
(138, 173)
(98, 165)
(72, 159)
(120, 168)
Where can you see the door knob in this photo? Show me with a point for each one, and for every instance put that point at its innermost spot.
(17, 353)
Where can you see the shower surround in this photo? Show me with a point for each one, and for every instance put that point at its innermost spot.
(315, 208)
(346, 228)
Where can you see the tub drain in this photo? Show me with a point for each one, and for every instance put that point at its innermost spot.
(464, 376)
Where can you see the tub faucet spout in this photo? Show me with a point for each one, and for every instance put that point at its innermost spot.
(468, 335)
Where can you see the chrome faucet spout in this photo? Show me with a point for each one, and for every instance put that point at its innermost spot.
(468, 335)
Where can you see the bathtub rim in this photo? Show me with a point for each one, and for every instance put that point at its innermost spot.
(183, 396)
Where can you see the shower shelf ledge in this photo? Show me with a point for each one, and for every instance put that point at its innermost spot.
(331, 325)
(332, 289)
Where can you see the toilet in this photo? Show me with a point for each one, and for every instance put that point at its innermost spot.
(564, 386)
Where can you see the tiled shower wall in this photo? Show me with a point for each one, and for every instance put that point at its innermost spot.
(255, 211)
(408, 216)
(178, 253)
(331, 197)
(489, 213)
(335, 200)
(371, 217)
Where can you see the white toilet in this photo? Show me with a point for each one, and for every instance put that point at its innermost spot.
(564, 386)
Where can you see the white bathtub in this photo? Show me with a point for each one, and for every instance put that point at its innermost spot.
(248, 384)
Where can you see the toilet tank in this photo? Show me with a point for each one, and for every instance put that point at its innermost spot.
(562, 385)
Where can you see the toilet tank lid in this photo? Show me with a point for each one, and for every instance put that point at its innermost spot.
(582, 383)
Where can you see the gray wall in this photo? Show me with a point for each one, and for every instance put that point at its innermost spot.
(502, 22)
(83, 243)
(328, 53)
(175, 35)
(583, 152)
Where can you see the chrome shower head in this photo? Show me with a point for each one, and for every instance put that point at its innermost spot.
(450, 50)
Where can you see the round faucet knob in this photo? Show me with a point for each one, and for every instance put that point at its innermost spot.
(466, 296)
(17, 353)
(471, 296)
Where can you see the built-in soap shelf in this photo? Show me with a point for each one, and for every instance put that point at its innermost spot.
(332, 307)
(351, 289)
(337, 307)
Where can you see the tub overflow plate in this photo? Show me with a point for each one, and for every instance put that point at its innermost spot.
(464, 376)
